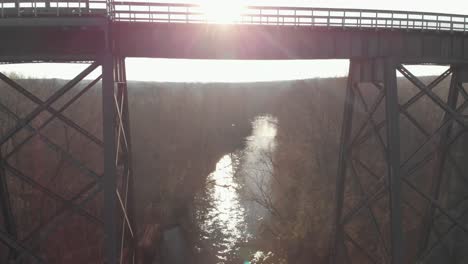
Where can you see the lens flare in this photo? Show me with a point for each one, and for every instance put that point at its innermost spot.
(223, 11)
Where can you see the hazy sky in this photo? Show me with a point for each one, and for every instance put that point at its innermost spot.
(245, 71)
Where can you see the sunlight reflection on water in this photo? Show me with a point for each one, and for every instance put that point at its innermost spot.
(227, 214)
(227, 223)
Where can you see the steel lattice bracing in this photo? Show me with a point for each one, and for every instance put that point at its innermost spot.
(401, 201)
(94, 189)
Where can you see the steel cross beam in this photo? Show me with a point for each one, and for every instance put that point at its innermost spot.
(371, 222)
(101, 202)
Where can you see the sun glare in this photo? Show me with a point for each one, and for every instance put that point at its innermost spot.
(223, 11)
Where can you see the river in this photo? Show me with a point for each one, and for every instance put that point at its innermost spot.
(232, 207)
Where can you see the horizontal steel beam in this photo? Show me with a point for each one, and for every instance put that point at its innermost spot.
(260, 42)
(75, 39)
(53, 22)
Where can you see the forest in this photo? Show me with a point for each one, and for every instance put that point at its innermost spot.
(179, 133)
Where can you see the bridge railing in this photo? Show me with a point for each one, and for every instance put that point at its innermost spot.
(138, 11)
(35, 8)
(291, 16)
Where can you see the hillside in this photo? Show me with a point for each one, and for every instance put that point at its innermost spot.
(179, 133)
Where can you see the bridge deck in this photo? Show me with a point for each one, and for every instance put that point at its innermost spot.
(46, 29)
(148, 11)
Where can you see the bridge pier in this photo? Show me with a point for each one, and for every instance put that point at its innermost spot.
(63, 185)
(387, 208)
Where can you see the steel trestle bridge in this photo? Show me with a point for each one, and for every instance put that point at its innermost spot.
(378, 44)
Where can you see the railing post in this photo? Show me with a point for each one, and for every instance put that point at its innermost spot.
(451, 24)
(295, 17)
(391, 26)
(86, 6)
(376, 20)
(129, 13)
(407, 22)
(277, 17)
(360, 19)
(150, 16)
(343, 20)
(312, 21)
(464, 24)
(422, 22)
(34, 5)
(261, 17)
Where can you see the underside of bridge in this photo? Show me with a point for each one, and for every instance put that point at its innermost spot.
(378, 202)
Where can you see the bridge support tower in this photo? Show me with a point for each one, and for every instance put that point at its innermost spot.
(401, 184)
(66, 178)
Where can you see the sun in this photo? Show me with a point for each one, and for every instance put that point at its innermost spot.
(223, 11)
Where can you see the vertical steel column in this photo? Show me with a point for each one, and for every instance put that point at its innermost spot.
(441, 158)
(110, 177)
(339, 247)
(129, 160)
(124, 166)
(5, 203)
(393, 160)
